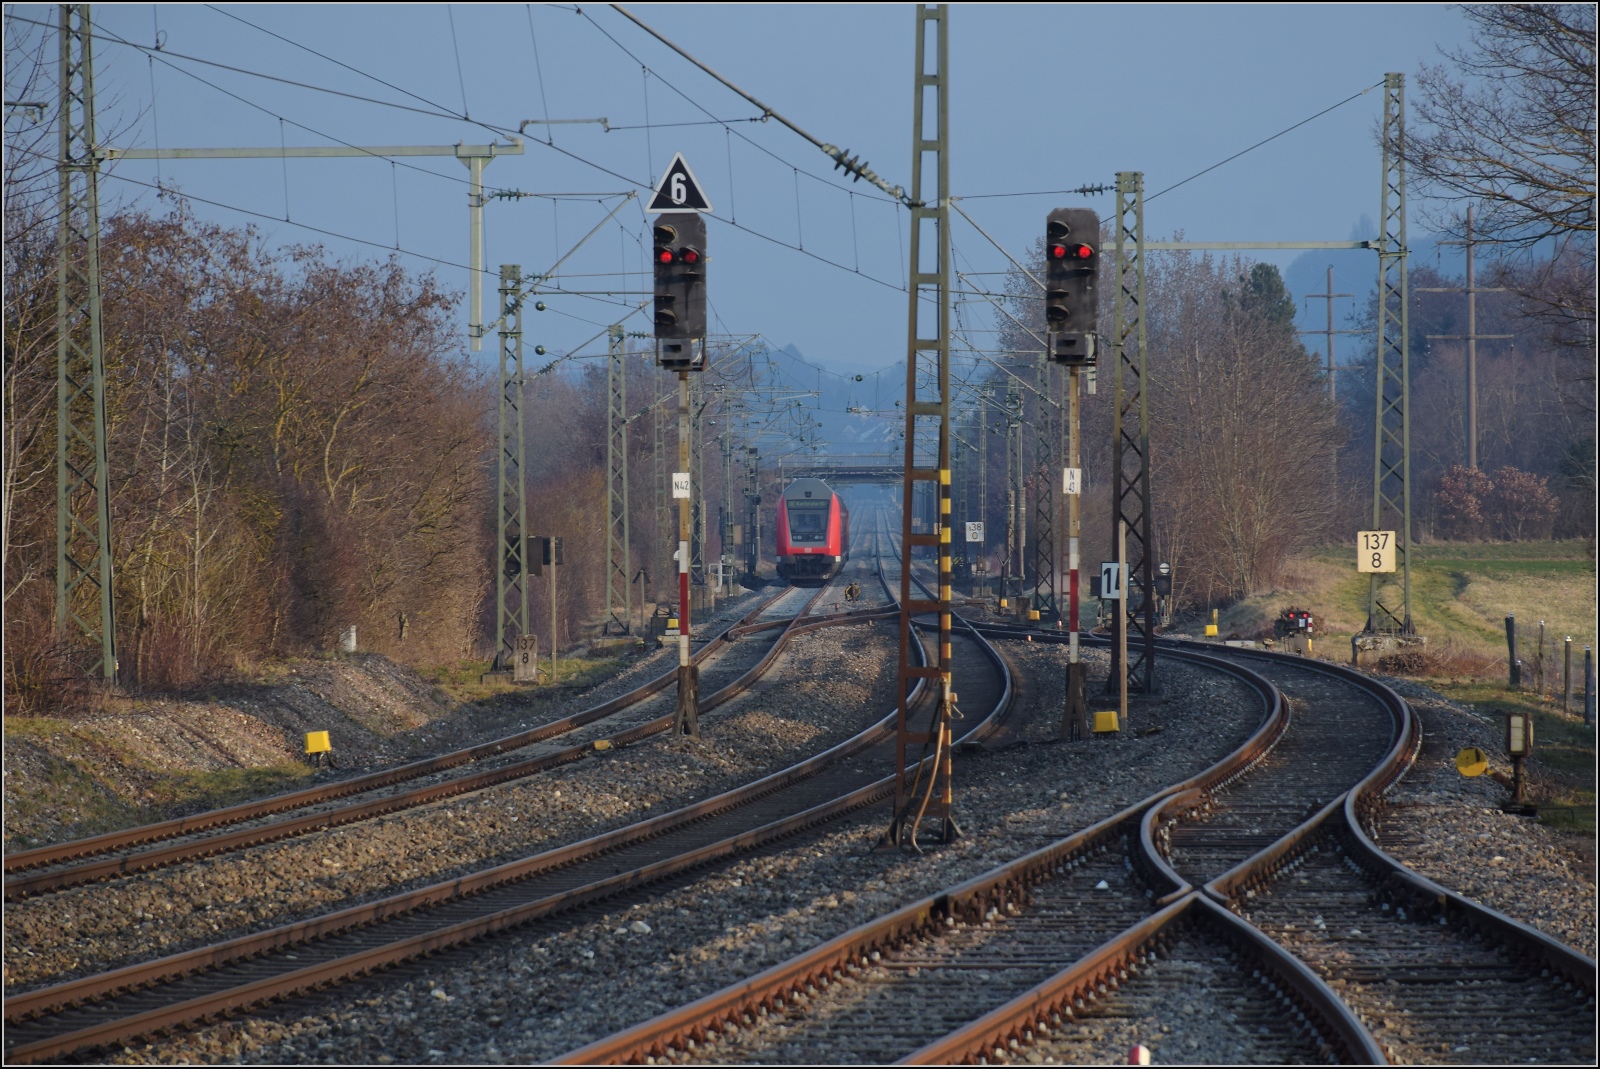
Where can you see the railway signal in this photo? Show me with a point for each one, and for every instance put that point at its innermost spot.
(680, 277)
(679, 242)
(1519, 744)
(1072, 261)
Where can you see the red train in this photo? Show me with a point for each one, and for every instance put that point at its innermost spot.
(813, 532)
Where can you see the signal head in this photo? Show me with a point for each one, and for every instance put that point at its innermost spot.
(680, 281)
(1069, 283)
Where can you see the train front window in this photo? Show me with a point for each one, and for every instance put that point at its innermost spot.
(808, 521)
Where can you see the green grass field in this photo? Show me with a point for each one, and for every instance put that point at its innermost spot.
(1460, 595)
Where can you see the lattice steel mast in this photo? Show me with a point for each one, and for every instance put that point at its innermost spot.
(1130, 442)
(619, 534)
(85, 616)
(511, 590)
(1389, 597)
(1046, 471)
(927, 458)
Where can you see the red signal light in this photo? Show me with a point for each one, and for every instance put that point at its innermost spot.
(690, 255)
(1082, 252)
(1058, 252)
(664, 256)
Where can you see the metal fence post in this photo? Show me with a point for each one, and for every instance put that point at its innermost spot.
(1588, 686)
(1566, 675)
(1511, 646)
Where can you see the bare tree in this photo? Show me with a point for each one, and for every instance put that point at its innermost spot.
(1518, 141)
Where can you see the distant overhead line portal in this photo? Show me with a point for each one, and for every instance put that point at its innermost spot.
(852, 473)
(475, 157)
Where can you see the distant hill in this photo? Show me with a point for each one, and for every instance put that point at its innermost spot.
(850, 416)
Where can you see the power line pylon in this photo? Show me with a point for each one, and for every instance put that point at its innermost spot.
(1130, 443)
(1471, 337)
(85, 616)
(1389, 595)
(619, 535)
(511, 589)
(1331, 369)
(927, 457)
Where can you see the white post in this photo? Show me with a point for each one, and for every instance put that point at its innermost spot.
(475, 165)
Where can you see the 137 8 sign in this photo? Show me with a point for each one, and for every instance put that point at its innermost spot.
(1375, 551)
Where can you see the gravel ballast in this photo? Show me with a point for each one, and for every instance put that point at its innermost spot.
(827, 686)
(536, 994)
(1450, 828)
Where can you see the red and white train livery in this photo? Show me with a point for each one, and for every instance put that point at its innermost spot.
(813, 532)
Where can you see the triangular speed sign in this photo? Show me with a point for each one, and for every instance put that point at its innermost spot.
(679, 190)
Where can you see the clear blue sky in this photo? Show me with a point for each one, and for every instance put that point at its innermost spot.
(1043, 98)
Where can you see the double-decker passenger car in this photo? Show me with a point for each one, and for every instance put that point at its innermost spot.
(813, 532)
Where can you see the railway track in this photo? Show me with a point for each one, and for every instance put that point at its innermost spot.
(1436, 976)
(1051, 955)
(961, 956)
(249, 970)
(1334, 735)
(733, 660)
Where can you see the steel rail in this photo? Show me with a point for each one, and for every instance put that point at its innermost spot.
(58, 879)
(63, 997)
(37, 857)
(743, 1002)
(1346, 818)
(1056, 1001)
(25, 886)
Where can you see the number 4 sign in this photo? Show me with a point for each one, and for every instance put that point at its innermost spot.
(1375, 551)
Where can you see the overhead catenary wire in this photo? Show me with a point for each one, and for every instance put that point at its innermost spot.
(159, 56)
(441, 112)
(502, 130)
(1264, 141)
(322, 230)
(538, 70)
(840, 157)
(455, 46)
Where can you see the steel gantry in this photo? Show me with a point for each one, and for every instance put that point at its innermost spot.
(85, 616)
(1133, 662)
(619, 535)
(927, 434)
(1389, 596)
(511, 589)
